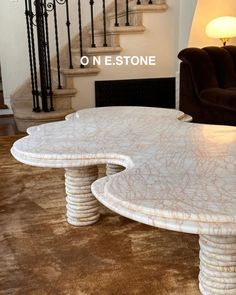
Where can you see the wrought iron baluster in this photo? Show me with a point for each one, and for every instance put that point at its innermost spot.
(48, 61)
(41, 51)
(68, 33)
(27, 14)
(36, 88)
(57, 45)
(45, 44)
(104, 23)
(127, 12)
(116, 14)
(91, 2)
(80, 33)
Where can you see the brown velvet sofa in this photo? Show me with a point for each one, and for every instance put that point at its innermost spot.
(208, 84)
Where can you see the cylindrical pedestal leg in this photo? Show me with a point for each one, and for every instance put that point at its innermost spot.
(82, 207)
(101, 170)
(217, 265)
(113, 169)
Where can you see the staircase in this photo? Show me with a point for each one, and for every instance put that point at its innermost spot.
(21, 100)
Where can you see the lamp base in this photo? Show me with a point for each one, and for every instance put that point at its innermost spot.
(224, 41)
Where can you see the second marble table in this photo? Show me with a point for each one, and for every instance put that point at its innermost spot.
(177, 175)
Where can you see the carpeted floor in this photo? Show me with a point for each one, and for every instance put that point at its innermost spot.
(41, 254)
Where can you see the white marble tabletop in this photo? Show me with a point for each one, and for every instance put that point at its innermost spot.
(179, 176)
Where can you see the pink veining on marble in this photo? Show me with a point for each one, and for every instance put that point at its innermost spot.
(178, 175)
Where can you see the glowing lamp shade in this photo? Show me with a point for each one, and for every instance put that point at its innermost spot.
(222, 28)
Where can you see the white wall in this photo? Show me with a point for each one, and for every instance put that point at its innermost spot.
(13, 46)
(206, 11)
(186, 15)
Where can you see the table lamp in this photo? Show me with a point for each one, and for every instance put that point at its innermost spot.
(222, 28)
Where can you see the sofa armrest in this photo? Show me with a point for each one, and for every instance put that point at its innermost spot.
(218, 97)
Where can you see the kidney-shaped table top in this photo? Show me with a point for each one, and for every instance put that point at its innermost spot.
(179, 175)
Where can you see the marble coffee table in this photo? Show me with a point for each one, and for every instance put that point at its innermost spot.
(176, 175)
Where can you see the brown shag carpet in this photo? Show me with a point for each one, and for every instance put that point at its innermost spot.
(41, 254)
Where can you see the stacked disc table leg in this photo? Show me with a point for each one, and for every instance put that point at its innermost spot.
(113, 169)
(217, 265)
(82, 207)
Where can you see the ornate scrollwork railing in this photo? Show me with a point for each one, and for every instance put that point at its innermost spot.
(40, 38)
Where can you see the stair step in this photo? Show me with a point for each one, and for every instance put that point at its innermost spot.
(80, 71)
(27, 114)
(120, 30)
(136, 13)
(148, 8)
(64, 92)
(127, 29)
(57, 93)
(22, 103)
(25, 118)
(145, 8)
(99, 50)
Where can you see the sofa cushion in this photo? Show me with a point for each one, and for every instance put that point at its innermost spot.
(232, 50)
(202, 68)
(224, 66)
(223, 98)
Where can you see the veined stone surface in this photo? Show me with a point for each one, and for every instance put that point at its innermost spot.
(218, 265)
(179, 176)
(177, 173)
